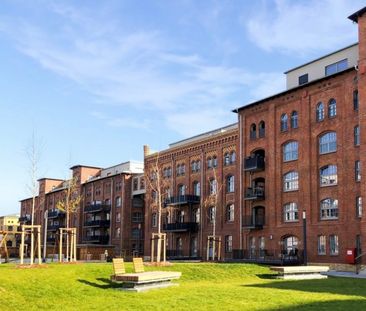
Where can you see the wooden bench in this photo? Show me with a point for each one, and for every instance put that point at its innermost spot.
(141, 280)
(301, 272)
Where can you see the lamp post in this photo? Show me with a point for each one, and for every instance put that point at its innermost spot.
(304, 238)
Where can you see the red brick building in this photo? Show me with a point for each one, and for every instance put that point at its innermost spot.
(110, 212)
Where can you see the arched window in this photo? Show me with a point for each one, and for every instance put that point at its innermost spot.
(355, 100)
(253, 131)
(193, 166)
(328, 175)
(262, 129)
(284, 125)
(118, 201)
(196, 215)
(230, 212)
(332, 108)
(209, 162)
(328, 143)
(290, 245)
(356, 135)
(226, 158)
(291, 151)
(214, 161)
(196, 188)
(154, 220)
(232, 157)
(181, 190)
(291, 181)
(294, 120)
(329, 209)
(213, 186)
(320, 112)
(291, 212)
(198, 163)
(230, 183)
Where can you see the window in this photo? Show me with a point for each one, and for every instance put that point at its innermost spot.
(214, 161)
(262, 129)
(226, 158)
(196, 215)
(181, 169)
(322, 245)
(136, 233)
(304, 79)
(333, 244)
(118, 186)
(232, 157)
(154, 220)
(230, 183)
(253, 131)
(118, 201)
(167, 172)
(290, 151)
(135, 184)
(329, 209)
(332, 108)
(142, 183)
(291, 212)
(294, 120)
(196, 166)
(355, 100)
(328, 143)
(336, 67)
(356, 135)
(291, 181)
(209, 163)
(213, 186)
(181, 190)
(137, 217)
(320, 112)
(359, 206)
(118, 217)
(212, 213)
(118, 232)
(228, 243)
(230, 213)
(284, 126)
(357, 170)
(154, 195)
(328, 175)
(196, 188)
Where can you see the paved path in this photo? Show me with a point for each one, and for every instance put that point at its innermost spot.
(361, 275)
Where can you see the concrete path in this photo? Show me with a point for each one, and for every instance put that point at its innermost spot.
(361, 275)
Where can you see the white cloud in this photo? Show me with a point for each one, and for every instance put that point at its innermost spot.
(303, 26)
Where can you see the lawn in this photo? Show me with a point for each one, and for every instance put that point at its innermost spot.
(203, 286)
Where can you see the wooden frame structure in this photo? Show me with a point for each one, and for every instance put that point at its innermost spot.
(161, 238)
(213, 239)
(72, 244)
(3, 241)
(29, 229)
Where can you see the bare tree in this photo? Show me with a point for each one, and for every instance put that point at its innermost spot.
(157, 187)
(69, 204)
(212, 201)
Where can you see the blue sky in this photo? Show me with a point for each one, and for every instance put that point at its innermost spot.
(96, 80)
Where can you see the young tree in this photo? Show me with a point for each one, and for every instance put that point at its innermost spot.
(69, 204)
(157, 188)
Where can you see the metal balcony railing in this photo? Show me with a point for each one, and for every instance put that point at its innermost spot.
(55, 214)
(254, 163)
(256, 193)
(181, 227)
(253, 222)
(97, 223)
(183, 200)
(96, 208)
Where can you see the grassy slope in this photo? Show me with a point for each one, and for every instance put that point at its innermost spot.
(202, 287)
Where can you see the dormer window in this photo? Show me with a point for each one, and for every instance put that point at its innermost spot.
(304, 79)
(336, 67)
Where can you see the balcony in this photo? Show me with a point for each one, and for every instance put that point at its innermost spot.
(51, 240)
(97, 208)
(254, 163)
(55, 214)
(97, 223)
(256, 193)
(253, 222)
(181, 227)
(25, 219)
(183, 200)
(103, 239)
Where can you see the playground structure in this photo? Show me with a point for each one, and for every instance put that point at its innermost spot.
(161, 246)
(211, 247)
(70, 253)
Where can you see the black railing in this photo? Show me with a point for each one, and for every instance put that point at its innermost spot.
(51, 240)
(272, 257)
(55, 214)
(97, 239)
(256, 193)
(95, 208)
(181, 227)
(183, 199)
(253, 222)
(254, 163)
(25, 219)
(53, 227)
(97, 223)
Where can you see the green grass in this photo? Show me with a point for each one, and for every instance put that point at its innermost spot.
(203, 286)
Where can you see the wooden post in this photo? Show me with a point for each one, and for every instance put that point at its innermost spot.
(71, 244)
(39, 244)
(208, 248)
(164, 249)
(152, 248)
(219, 254)
(75, 244)
(60, 247)
(22, 247)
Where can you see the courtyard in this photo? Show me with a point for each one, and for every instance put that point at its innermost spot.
(203, 286)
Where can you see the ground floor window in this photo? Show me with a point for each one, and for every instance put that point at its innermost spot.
(290, 245)
(228, 243)
(333, 244)
(322, 243)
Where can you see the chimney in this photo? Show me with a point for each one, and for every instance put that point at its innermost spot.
(359, 17)
(146, 150)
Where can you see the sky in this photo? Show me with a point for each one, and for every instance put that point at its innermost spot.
(93, 81)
